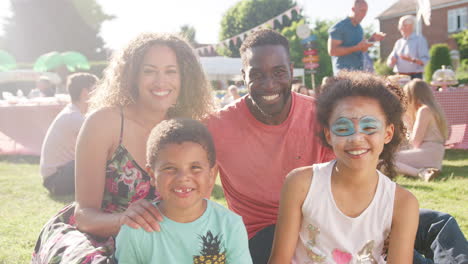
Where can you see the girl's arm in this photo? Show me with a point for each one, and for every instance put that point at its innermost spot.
(404, 226)
(293, 194)
(423, 118)
(96, 143)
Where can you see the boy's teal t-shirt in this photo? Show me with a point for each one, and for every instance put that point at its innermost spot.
(218, 236)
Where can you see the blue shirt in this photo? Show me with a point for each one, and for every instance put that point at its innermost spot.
(415, 47)
(218, 234)
(350, 35)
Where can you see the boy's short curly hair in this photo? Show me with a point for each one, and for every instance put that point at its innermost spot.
(177, 131)
(263, 37)
(390, 97)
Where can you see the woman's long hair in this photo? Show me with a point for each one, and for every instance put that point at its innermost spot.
(419, 93)
(119, 86)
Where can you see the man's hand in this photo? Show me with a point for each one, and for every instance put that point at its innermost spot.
(363, 45)
(406, 57)
(377, 36)
(393, 61)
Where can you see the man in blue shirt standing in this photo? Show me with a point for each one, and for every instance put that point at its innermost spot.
(410, 53)
(346, 43)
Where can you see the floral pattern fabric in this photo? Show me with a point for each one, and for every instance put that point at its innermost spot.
(61, 242)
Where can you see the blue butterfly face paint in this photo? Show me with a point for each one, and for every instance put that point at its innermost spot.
(344, 126)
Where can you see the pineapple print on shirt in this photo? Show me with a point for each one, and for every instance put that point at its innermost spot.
(211, 250)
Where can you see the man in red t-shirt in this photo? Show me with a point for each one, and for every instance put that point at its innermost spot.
(261, 137)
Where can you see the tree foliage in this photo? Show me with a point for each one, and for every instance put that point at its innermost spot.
(320, 29)
(462, 41)
(38, 27)
(248, 14)
(189, 33)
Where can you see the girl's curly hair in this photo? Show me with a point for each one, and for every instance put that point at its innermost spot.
(119, 85)
(390, 97)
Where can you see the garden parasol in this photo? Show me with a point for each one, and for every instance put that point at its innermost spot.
(7, 61)
(71, 59)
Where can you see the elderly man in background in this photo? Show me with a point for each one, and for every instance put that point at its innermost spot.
(346, 43)
(58, 150)
(44, 88)
(410, 53)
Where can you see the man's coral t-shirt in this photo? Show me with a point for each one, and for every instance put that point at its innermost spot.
(254, 158)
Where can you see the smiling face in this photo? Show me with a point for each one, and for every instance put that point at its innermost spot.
(183, 177)
(406, 28)
(158, 79)
(359, 11)
(268, 75)
(357, 132)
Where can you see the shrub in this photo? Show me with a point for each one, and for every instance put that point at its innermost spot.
(440, 55)
(462, 72)
(381, 68)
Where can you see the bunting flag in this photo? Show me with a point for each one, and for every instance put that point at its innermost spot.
(269, 23)
(424, 11)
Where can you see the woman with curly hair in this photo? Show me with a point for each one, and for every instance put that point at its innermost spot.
(157, 76)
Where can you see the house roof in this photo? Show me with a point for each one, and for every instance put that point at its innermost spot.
(404, 7)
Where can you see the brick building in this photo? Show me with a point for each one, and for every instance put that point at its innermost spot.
(447, 17)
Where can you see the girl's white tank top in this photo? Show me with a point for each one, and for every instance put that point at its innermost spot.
(329, 236)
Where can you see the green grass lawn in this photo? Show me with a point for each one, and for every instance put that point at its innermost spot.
(26, 204)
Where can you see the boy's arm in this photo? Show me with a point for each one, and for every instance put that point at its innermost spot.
(130, 247)
(293, 194)
(404, 226)
(238, 245)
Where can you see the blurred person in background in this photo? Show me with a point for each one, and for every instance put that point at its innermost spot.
(346, 43)
(428, 134)
(410, 53)
(300, 88)
(230, 96)
(58, 150)
(44, 88)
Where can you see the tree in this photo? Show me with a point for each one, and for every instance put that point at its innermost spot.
(320, 29)
(189, 33)
(249, 14)
(38, 27)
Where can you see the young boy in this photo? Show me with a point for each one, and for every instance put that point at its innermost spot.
(181, 162)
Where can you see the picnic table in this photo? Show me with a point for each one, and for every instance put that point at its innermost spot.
(454, 102)
(23, 125)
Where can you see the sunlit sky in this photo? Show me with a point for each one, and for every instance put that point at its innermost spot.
(137, 16)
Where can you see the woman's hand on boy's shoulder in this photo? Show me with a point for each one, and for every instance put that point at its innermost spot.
(142, 214)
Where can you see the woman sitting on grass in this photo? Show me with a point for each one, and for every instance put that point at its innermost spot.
(157, 76)
(428, 133)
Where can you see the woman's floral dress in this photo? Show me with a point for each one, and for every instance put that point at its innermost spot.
(61, 242)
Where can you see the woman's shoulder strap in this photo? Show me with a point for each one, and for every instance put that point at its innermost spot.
(121, 125)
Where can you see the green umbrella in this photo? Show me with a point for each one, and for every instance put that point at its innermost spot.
(48, 61)
(75, 60)
(71, 59)
(7, 61)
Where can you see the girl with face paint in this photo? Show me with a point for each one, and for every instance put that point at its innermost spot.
(343, 211)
